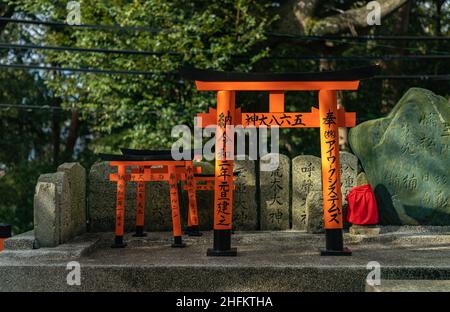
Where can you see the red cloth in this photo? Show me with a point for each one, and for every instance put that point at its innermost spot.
(362, 207)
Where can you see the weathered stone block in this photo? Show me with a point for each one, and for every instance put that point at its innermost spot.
(306, 178)
(52, 209)
(245, 216)
(314, 212)
(406, 157)
(102, 200)
(275, 192)
(76, 216)
(23, 241)
(158, 214)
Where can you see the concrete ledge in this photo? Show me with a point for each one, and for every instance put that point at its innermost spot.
(24, 241)
(410, 286)
(266, 261)
(78, 247)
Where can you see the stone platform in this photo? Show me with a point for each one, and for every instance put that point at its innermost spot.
(266, 261)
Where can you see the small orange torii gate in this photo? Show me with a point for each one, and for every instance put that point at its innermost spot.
(327, 117)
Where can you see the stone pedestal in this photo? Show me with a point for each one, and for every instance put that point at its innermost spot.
(368, 230)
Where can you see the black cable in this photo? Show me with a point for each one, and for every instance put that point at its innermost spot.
(136, 72)
(87, 70)
(4, 45)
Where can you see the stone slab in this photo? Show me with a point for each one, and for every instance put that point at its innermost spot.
(349, 172)
(410, 286)
(52, 209)
(314, 212)
(275, 195)
(245, 206)
(23, 241)
(76, 216)
(102, 200)
(266, 261)
(306, 177)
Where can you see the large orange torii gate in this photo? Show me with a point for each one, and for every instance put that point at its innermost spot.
(327, 117)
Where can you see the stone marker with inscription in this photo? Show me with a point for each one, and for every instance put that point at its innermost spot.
(306, 177)
(51, 204)
(274, 196)
(349, 171)
(245, 216)
(406, 157)
(314, 212)
(76, 175)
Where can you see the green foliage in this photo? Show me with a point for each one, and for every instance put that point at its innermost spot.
(140, 111)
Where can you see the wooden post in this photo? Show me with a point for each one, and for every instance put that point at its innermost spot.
(191, 186)
(174, 204)
(120, 208)
(140, 207)
(331, 181)
(276, 101)
(223, 181)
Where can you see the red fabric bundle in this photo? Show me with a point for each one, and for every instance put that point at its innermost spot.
(362, 207)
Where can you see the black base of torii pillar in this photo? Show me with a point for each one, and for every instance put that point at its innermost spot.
(222, 245)
(334, 244)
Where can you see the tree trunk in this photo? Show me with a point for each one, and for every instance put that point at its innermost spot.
(56, 136)
(393, 87)
(72, 136)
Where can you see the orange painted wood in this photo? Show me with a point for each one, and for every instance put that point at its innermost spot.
(288, 119)
(140, 202)
(276, 85)
(223, 182)
(191, 189)
(209, 119)
(174, 204)
(329, 145)
(120, 201)
(276, 101)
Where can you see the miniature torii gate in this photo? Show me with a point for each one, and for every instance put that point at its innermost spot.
(328, 118)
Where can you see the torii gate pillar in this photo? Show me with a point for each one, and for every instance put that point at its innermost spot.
(331, 181)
